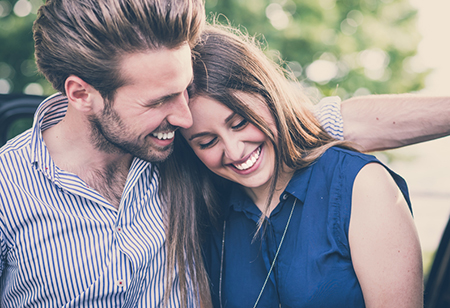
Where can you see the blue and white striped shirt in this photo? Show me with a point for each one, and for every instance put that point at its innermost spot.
(63, 244)
(328, 112)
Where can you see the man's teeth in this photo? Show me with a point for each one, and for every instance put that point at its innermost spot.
(250, 161)
(164, 136)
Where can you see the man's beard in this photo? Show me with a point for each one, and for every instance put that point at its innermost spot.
(110, 135)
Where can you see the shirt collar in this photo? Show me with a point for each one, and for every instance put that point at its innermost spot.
(50, 112)
(297, 186)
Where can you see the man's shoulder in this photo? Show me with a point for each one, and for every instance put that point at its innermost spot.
(17, 144)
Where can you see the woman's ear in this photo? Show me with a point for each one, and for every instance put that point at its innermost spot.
(81, 94)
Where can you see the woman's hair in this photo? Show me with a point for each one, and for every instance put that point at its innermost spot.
(229, 63)
(226, 64)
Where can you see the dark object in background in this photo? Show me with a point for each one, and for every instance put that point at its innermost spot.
(437, 287)
(16, 114)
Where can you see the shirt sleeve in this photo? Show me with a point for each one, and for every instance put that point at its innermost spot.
(328, 112)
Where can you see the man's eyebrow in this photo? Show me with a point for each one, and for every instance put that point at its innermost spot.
(227, 119)
(170, 96)
(162, 99)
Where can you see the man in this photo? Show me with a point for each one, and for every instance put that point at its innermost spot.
(380, 122)
(80, 218)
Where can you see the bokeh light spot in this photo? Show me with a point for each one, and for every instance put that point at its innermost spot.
(322, 71)
(22, 8)
(5, 86)
(277, 16)
(33, 89)
(5, 8)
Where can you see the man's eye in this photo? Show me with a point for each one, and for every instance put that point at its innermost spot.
(240, 124)
(208, 144)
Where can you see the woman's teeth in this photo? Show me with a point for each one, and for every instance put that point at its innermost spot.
(164, 136)
(250, 161)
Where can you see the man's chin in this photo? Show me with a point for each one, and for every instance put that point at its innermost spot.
(157, 155)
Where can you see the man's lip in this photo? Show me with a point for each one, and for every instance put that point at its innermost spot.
(168, 135)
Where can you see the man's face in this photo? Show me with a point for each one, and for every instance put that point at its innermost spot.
(146, 111)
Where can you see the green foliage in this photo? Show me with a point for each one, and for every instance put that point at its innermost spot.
(354, 46)
(344, 47)
(18, 72)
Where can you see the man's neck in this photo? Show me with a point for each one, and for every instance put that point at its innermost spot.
(72, 150)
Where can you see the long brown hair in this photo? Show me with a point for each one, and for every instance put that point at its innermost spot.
(230, 62)
(226, 63)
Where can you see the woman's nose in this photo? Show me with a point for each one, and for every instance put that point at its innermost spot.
(234, 149)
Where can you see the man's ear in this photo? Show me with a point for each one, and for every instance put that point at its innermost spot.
(81, 94)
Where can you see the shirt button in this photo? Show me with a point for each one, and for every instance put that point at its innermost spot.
(120, 283)
(285, 196)
(119, 229)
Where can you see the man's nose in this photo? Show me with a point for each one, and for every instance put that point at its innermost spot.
(181, 114)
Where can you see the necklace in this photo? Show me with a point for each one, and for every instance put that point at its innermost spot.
(271, 267)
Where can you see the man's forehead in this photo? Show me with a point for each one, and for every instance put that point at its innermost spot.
(162, 71)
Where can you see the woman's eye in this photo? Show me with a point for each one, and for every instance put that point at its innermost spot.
(208, 144)
(240, 124)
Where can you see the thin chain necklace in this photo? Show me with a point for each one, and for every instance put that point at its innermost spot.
(271, 267)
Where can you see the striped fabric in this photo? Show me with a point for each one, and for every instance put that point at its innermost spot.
(328, 112)
(63, 244)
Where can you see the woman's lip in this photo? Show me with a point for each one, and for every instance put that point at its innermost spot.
(246, 158)
(253, 167)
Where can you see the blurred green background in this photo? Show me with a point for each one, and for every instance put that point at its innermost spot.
(345, 47)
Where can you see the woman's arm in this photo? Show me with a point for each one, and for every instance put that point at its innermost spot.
(378, 122)
(384, 243)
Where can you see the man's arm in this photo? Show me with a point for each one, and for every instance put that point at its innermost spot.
(379, 122)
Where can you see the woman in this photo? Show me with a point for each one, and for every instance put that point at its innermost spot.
(299, 219)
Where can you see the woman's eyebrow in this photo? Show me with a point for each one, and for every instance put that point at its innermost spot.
(227, 119)
(198, 135)
(230, 117)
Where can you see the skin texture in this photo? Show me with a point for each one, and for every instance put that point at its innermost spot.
(380, 122)
(154, 100)
(383, 240)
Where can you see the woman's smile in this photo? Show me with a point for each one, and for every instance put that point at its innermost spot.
(252, 159)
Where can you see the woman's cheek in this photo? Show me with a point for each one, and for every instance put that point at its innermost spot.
(210, 158)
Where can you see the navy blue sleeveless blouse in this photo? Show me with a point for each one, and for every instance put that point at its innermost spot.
(314, 266)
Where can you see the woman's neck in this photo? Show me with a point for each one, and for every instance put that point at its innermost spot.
(260, 195)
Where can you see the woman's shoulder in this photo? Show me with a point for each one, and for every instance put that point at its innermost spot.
(335, 157)
(347, 153)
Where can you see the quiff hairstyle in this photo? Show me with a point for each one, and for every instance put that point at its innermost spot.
(88, 38)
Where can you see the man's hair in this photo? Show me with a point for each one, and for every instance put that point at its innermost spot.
(88, 38)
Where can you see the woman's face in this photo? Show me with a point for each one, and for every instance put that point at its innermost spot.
(230, 146)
